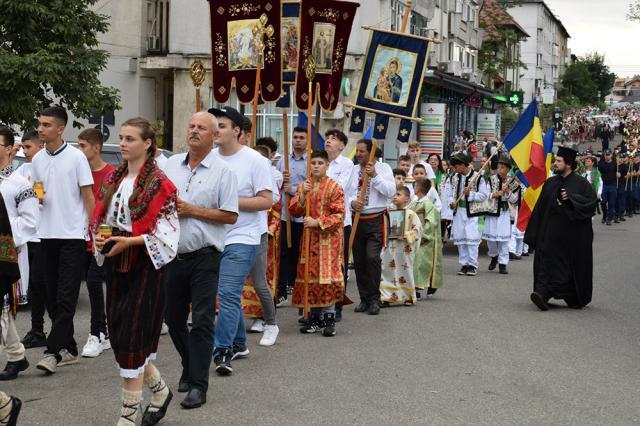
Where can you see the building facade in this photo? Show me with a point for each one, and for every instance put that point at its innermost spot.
(545, 53)
(154, 43)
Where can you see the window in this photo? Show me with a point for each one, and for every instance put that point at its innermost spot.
(539, 59)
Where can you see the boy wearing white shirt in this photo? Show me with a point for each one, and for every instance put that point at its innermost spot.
(67, 204)
(242, 243)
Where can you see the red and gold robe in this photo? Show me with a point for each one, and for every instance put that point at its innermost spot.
(250, 302)
(326, 255)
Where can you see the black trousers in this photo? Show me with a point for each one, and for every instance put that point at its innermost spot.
(63, 262)
(289, 256)
(193, 279)
(95, 279)
(367, 247)
(37, 291)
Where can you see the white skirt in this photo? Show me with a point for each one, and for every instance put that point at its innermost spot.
(497, 228)
(464, 230)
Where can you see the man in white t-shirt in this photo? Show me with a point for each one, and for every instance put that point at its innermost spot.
(66, 207)
(242, 242)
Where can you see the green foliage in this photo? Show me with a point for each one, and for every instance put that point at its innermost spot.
(634, 11)
(49, 54)
(577, 83)
(600, 73)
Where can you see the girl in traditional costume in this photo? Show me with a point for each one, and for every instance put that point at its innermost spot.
(137, 204)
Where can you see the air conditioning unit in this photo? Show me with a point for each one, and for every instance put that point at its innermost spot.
(153, 43)
(455, 68)
(443, 66)
(467, 75)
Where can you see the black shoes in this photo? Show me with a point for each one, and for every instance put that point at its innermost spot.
(362, 307)
(471, 271)
(34, 339)
(153, 417)
(183, 385)
(503, 269)
(463, 270)
(494, 263)
(608, 223)
(240, 352)
(12, 369)
(312, 325)
(431, 291)
(222, 360)
(540, 301)
(329, 325)
(513, 256)
(374, 308)
(616, 220)
(622, 219)
(194, 399)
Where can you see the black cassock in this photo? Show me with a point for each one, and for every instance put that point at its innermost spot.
(562, 235)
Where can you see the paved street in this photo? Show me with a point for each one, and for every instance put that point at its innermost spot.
(479, 352)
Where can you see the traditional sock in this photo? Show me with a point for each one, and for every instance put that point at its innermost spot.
(5, 408)
(156, 384)
(130, 407)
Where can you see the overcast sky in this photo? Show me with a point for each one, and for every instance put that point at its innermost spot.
(601, 25)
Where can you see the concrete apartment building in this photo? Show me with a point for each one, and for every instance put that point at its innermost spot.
(154, 42)
(545, 53)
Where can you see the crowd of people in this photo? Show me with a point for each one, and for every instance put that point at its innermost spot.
(223, 230)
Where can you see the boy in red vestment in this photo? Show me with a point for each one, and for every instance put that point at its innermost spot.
(324, 227)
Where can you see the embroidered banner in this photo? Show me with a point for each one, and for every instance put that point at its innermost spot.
(325, 27)
(234, 53)
(391, 79)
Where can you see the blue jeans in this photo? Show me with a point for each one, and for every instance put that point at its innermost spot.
(609, 195)
(235, 264)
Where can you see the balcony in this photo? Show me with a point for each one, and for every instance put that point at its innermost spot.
(457, 27)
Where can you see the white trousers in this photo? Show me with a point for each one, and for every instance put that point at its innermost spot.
(468, 255)
(499, 249)
(12, 345)
(516, 245)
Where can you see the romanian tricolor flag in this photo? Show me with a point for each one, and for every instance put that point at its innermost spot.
(524, 143)
(530, 197)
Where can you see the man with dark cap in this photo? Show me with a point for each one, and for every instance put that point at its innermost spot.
(561, 233)
(623, 183)
(462, 192)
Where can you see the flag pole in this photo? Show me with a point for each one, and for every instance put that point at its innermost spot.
(287, 196)
(374, 148)
(310, 70)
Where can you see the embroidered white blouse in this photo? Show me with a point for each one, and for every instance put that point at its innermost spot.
(162, 245)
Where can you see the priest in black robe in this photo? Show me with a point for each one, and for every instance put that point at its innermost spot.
(561, 232)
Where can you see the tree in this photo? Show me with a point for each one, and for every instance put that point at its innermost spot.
(577, 82)
(600, 74)
(49, 55)
(634, 11)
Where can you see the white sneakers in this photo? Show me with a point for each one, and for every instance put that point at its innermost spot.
(95, 346)
(270, 335)
(257, 326)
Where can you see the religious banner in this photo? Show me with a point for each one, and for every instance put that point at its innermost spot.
(325, 27)
(290, 40)
(391, 79)
(486, 127)
(236, 30)
(432, 129)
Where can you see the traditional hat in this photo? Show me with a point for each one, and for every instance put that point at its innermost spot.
(506, 160)
(568, 154)
(460, 158)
